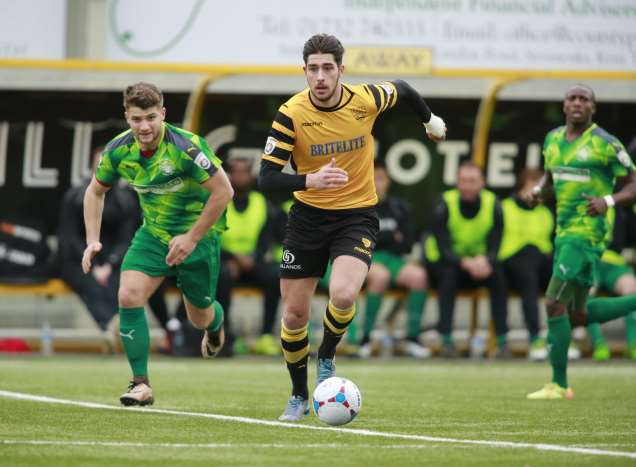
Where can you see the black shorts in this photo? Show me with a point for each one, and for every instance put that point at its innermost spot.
(314, 236)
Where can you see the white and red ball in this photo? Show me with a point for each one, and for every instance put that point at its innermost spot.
(337, 401)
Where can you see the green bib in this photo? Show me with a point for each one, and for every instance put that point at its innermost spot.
(246, 226)
(468, 236)
(524, 227)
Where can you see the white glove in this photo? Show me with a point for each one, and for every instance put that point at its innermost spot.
(436, 127)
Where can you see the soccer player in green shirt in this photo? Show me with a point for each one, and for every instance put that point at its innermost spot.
(583, 163)
(183, 192)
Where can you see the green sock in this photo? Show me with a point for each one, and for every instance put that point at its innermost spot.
(602, 310)
(596, 334)
(352, 331)
(373, 304)
(447, 339)
(501, 341)
(217, 320)
(630, 328)
(415, 303)
(135, 336)
(559, 336)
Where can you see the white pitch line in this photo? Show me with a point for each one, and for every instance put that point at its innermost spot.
(353, 431)
(127, 444)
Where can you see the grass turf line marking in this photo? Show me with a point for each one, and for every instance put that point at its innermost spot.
(127, 444)
(353, 431)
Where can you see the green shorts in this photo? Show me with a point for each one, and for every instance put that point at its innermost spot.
(196, 276)
(573, 272)
(394, 263)
(607, 274)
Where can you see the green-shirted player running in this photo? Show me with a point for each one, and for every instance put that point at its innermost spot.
(183, 192)
(582, 162)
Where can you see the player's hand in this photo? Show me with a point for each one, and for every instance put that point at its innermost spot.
(435, 128)
(595, 206)
(102, 273)
(179, 249)
(89, 253)
(329, 176)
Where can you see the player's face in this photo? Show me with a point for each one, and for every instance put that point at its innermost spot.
(146, 124)
(382, 181)
(579, 106)
(323, 77)
(469, 183)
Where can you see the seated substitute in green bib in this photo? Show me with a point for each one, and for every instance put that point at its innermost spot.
(389, 267)
(462, 252)
(526, 254)
(183, 192)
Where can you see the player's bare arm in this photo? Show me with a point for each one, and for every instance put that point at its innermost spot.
(93, 209)
(221, 191)
(626, 195)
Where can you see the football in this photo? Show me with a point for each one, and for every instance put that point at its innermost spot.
(337, 401)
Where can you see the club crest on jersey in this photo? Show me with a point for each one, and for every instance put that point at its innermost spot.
(583, 154)
(270, 145)
(202, 161)
(624, 158)
(359, 112)
(166, 167)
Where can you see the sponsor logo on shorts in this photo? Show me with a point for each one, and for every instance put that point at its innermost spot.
(288, 261)
(363, 251)
(366, 242)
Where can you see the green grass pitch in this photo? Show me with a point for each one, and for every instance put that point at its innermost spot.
(432, 413)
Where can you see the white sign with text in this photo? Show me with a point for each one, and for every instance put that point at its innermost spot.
(475, 34)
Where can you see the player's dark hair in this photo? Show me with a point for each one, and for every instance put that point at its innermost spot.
(379, 164)
(323, 44)
(584, 86)
(143, 95)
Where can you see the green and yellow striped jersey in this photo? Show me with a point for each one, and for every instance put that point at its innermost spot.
(168, 182)
(588, 165)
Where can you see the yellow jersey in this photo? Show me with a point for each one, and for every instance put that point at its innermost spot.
(309, 136)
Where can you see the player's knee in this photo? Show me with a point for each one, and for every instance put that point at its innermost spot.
(295, 318)
(378, 280)
(417, 279)
(343, 296)
(578, 318)
(130, 297)
(554, 308)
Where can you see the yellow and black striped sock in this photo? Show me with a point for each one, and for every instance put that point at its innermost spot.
(295, 345)
(335, 324)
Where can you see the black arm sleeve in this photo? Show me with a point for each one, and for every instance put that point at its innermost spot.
(406, 93)
(494, 236)
(272, 179)
(265, 237)
(441, 233)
